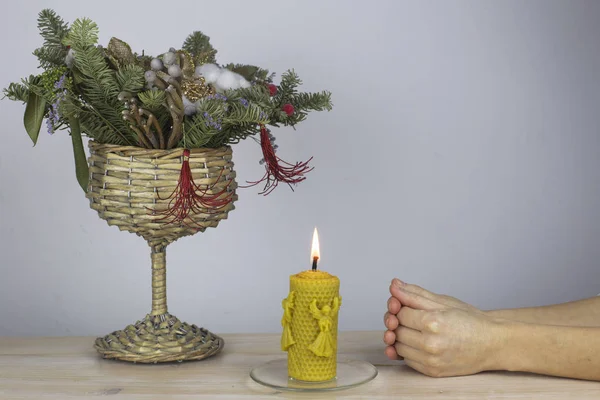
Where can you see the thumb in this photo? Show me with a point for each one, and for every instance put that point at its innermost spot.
(414, 300)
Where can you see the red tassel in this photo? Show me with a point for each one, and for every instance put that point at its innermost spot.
(190, 198)
(277, 169)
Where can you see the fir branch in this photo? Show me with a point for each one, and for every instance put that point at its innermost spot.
(256, 94)
(17, 92)
(240, 115)
(95, 125)
(251, 73)
(37, 88)
(219, 122)
(90, 61)
(234, 135)
(97, 84)
(198, 45)
(289, 84)
(197, 133)
(130, 78)
(53, 29)
(153, 100)
(96, 128)
(49, 57)
(83, 34)
(313, 101)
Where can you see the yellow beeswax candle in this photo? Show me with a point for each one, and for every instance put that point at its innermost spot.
(310, 325)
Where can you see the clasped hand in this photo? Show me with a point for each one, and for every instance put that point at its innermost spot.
(439, 335)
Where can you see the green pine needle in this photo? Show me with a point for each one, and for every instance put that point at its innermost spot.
(198, 45)
(93, 84)
(83, 33)
(153, 100)
(17, 92)
(53, 29)
(131, 78)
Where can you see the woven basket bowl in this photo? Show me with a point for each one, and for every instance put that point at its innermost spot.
(130, 186)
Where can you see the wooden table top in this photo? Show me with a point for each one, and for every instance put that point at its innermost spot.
(63, 368)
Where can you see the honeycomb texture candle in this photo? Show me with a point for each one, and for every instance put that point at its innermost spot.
(310, 326)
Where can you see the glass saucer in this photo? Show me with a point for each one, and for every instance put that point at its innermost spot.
(350, 374)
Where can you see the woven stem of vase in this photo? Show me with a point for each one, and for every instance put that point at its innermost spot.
(159, 279)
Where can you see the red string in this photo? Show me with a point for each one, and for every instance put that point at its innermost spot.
(278, 170)
(188, 198)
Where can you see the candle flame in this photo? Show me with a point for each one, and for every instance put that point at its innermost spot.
(315, 251)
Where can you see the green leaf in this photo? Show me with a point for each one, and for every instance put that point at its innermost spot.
(81, 165)
(34, 115)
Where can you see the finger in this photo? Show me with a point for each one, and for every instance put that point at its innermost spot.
(391, 321)
(414, 300)
(410, 337)
(416, 289)
(394, 305)
(389, 338)
(410, 353)
(411, 318)
(390, 352)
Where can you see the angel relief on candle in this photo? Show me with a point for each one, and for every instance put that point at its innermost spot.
(287, 339)
(323, 344)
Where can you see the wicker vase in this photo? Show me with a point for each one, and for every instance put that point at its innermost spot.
(129, 187)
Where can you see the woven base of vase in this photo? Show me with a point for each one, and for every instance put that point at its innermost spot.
(159, 338)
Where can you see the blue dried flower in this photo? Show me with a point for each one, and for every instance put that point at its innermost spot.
(50, 125)
(60, 84)
(54, 114)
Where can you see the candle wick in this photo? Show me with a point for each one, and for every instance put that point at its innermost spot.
(314, 264)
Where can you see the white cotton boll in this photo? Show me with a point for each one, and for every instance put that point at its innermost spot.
(150, 76)
(189, 108)
(228, 80)
(70, 58)
(169, 58)
(210, 72)
(174, 71)
(244, 83)
(156, 64)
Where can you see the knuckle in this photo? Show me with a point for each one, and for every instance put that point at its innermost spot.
(434, 362)
(435, 372)
(433, 346)
(432, 321)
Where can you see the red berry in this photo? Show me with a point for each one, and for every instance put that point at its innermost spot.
(288, 109)
(272, 89)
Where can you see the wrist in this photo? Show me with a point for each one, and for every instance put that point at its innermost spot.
(505, 347)
(496, 314)
(516, 346)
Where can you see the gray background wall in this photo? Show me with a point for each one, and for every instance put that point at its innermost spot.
(462, 155)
